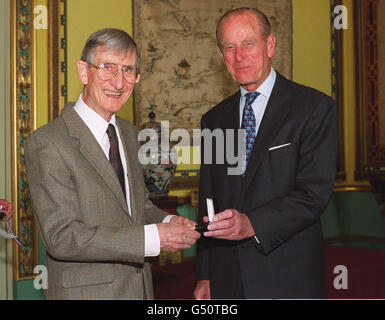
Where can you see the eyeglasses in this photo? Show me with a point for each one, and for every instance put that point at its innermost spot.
(109, 70)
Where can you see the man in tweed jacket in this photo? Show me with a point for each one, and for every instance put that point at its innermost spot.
(98, 231)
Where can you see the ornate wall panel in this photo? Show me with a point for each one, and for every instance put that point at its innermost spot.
(337, 85)
(370, 70)
(370, 74)
(23, 122)
(375, 150)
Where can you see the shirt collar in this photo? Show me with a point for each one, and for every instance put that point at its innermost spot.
(266, 87)
(97, 125)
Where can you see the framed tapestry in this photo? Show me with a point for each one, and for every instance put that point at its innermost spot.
(182, 74)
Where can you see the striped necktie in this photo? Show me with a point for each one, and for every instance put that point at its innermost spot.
(114, 155)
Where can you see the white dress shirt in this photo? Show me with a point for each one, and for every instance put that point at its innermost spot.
(98, 126)
(260, 103)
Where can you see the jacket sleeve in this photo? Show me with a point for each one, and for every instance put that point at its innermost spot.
(278, 220)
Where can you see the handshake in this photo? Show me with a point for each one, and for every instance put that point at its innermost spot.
(178, 234)
(181, 233)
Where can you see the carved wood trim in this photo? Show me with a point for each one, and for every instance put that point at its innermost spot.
(23, 48)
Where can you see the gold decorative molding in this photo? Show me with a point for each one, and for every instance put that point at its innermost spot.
(23, 52)
(57, 56)
(178, 183)
(352, 188)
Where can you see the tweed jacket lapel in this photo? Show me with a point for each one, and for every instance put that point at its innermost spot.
(127, 138)
(91, 150)
(230, 120)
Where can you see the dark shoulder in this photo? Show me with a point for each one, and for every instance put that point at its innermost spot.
(301, 94)
(223, 106)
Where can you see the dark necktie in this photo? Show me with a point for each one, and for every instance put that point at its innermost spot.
(249, 123)
(115, 160)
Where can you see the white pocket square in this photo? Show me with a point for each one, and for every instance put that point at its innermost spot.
(280, 146)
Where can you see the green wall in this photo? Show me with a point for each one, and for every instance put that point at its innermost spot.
(24, 289)
(355, 214)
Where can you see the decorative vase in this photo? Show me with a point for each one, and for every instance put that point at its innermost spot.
(158, 176)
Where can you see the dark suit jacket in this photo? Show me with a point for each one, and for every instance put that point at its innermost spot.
(95, 248)
(284, 192)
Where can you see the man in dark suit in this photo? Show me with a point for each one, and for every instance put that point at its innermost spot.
(266, 239)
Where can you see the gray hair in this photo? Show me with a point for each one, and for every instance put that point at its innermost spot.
(263, 22)
(112, 39)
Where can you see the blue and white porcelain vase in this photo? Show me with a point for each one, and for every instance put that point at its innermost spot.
(158, 176)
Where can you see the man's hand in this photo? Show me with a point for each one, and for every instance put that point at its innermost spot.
(6, 207)
(174, 237)
(230, 225)
(202, 290)
(183, 221)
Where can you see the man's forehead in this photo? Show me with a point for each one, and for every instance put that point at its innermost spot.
(241, 16)
(103, 52)
(252, 23)
(248, 32)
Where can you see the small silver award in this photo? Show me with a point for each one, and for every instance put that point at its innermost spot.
(210, 209)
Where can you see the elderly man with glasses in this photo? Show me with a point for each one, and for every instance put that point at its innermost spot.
(87, 187)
